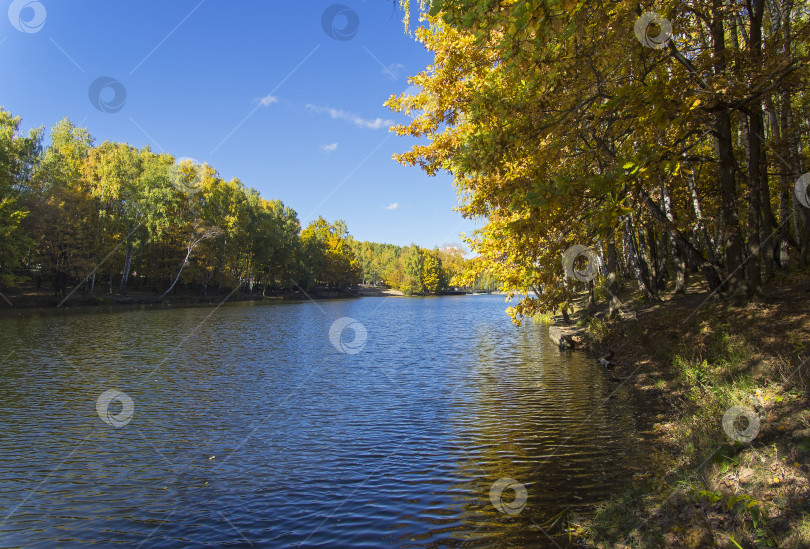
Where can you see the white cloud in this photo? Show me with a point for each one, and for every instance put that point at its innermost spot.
(393, 206)
(393, 70)
(454, 246)
(268, 100)
(360, 122)
(331, 147)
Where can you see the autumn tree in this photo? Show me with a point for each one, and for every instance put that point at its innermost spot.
(330, 259)
(568, 124)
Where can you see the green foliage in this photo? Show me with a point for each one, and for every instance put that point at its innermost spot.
(413, 259)
(411, 269)
(118, 217)
(598, 329)
(742, 504)
(433, 278)
(18, 158)
(331, 259)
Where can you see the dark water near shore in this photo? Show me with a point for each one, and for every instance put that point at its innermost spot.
(248, 426)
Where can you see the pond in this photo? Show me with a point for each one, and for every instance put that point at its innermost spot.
(372, 422)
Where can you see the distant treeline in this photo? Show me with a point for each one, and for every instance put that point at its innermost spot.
(110, 218)
(415, 270)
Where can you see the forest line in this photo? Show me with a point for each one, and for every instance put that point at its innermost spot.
(90, 219)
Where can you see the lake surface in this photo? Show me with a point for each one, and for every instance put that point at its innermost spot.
(248, 425)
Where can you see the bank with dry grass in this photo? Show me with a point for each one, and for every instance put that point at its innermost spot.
(731, 460)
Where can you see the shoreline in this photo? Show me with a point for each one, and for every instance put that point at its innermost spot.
(135, 299)
(696, 359)
(42, 301)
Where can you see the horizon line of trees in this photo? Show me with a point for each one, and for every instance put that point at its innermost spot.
(111, 218)
(417, 271)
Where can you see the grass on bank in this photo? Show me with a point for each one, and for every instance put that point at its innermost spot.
(700, 358)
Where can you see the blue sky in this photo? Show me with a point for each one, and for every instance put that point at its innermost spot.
(258, 89)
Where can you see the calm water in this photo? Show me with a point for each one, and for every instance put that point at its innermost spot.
(248, 427)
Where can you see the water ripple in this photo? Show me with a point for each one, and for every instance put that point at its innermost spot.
(256, 431)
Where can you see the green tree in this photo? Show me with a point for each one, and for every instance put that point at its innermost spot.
(413, 259)
(330, 259)
(18, 157)
(62, 223)
(433, 277)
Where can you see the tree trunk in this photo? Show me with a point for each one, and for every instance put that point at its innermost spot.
(709, 270)
(781, 244)
(127, 265)
(90, 285)
(627, 264)
(753, 266)
(805, 231)
(784, 228)
(701, 225)
(198, 234)
(641, 275)
(648, 251)
(680, 268)
(612, 285)
(645, 248)
(206, 281)
(767, 236)
(790, 138)
(663, 261)
(182, 266)
(678, 261)
(730, 223)
(770, 226)
(755, 130)
(221, 270)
